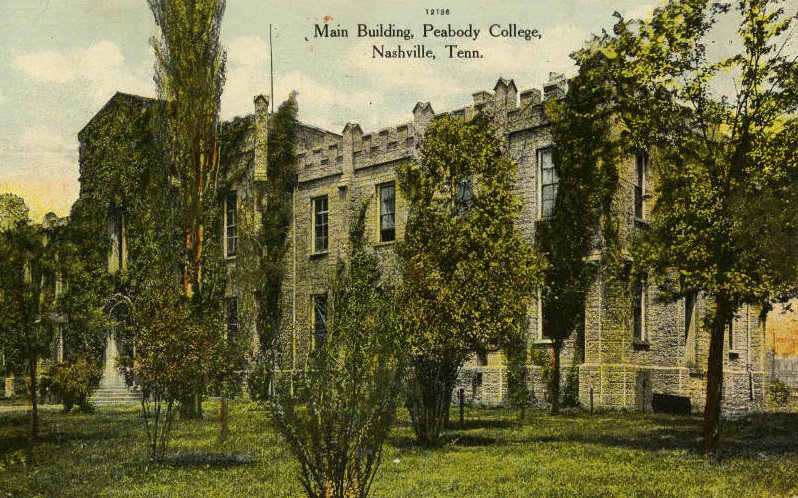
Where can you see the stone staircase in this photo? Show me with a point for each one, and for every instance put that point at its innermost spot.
(114, 395)
(113, 390)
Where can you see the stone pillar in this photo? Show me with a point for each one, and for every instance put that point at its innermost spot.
(9, 386)
(111, 376)
(261, 136)
(351, 141)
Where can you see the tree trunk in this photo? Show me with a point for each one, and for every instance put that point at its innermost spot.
(191, 402)
(555, 377)
(223, 416)
(715, 374)
(430, 397)
(186, 270)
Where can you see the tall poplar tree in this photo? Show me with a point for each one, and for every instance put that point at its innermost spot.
(190, 75)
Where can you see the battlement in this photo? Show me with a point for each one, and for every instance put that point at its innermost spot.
(352, 150)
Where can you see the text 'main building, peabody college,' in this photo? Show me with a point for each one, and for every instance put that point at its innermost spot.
(627, 354)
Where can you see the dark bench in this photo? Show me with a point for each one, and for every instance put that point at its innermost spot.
(670, 403)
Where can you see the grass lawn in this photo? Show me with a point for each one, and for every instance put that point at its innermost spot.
(607, 454)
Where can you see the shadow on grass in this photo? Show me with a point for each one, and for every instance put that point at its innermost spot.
(759, 437)
(204, 459)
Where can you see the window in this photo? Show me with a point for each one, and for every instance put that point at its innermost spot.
(641, 171)
(387, 212)
(231, 234)
(639, 308)
(548, 182)
(730, 329)
(465, 194)
(231, 318)
(539, 319)
(320, 224)
(319, 303)
(116, 256)
(690, 329)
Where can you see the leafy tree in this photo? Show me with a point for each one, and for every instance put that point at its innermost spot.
(174, 346)
(12, 210)
(467, 275)
(27, 296)
(724, 222)
(336, 413)
(585, 159)
(72, 383)
(190, 68)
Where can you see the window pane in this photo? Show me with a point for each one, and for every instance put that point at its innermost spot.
(387, 212)
(548, 183)
(465, 194)
(231, 232)
(320, 224)
(232, 319)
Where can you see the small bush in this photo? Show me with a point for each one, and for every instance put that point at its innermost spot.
(71, 384)
(779, 393)
(336, 412)
(260, 378)
(570, 393)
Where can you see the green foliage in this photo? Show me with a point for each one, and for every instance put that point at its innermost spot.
(71, 384)
(190, 75)
(570, 392)
(337, 412)
(724, 221)
(576, 455)
(178, 349)
(12, 210)
(271, 240)
(467, 275)
(542, 358)
(779, 393)
(585, 216)
(190, 68)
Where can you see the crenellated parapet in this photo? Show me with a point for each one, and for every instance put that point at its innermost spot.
(331, 154)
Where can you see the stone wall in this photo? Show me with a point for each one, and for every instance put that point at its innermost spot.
(619, 371)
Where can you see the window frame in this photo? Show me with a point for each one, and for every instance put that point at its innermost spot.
(542, 214)
(381, 232)
(640, 190)
(315, 224)
(231, 250)
(640, 321)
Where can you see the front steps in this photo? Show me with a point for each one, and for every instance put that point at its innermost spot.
(114, 395)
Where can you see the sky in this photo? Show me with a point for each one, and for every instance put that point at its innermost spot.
(62, 60)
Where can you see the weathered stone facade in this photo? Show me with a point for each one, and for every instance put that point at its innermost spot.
(619, 364)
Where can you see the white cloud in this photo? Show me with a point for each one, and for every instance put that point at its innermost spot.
(247, 75)
(95, 71)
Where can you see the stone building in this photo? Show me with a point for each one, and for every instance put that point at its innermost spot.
(627, 354)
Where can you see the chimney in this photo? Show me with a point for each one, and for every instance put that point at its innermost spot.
(530, 97)
(422, 115)
(352, 139)
(505, 94)
(556, 87)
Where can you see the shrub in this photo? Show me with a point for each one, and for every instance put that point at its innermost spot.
(260, 378)
(72, 383)
(779, 393)
(337, 411)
